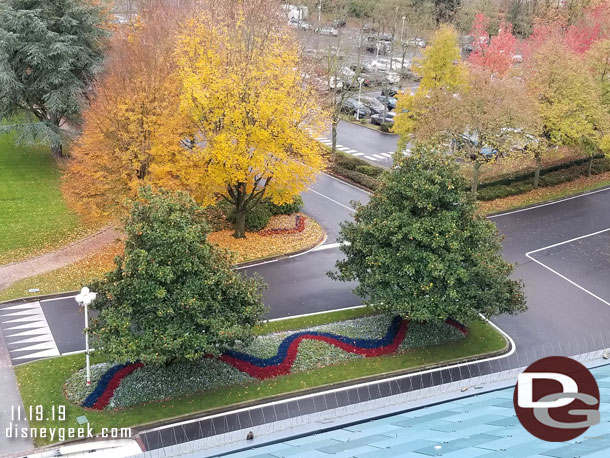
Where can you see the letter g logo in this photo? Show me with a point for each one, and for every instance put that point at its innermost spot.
(556, 399)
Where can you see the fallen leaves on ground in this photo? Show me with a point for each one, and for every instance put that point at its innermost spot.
(256, 246)
(69, 278)
(544, 194)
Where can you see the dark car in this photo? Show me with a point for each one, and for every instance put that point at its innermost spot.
(378, 119)
(352, 106)
(373, 79)
(338, 23)
(389, 102)
(389, 91)
(373, 104)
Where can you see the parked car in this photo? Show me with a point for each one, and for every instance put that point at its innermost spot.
(389, 102)
(381, 47)
(368, 28)
(373, 104)
(338, 23)
(389, 91)
(386, 36)
(352, 106)
(378, 119)
(331, 31)
(373, 79)
(305, 26)
(417, 43)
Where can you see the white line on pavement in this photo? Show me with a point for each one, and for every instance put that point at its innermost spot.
(331, 199)
(350, 151)
(378, 156)
(342, 148)
(549, 203)
(371, 158)
(529, 256)
(387, 154)
(357, 154)
(330, 246)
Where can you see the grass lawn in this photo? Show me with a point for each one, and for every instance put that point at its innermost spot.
(33, 215)
(41, 382)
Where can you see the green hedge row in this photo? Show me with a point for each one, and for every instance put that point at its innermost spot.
(555, 176)
(365, 174)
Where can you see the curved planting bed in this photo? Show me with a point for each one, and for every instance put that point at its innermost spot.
(268, 356)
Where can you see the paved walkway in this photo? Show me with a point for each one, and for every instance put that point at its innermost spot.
(10, 273)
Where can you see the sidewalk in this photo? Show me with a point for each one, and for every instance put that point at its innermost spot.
(10, 273)
(11, 401)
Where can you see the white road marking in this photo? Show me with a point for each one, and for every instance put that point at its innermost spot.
(330, 246)
(549, 203)
(19, 329)
(371, 158)
(350, 151)
(342, 148)
(387, 154)
(529, 255)
(357, 154)
(331, 199)
(378, 156)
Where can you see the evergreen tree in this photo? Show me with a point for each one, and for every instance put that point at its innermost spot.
(419, 249)
(49, 52)
(172, 296)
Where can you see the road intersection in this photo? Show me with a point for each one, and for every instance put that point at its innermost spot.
(561, 251)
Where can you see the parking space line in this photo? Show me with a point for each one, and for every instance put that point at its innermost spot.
(530, 253)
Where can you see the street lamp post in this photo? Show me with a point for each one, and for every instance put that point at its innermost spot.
(402, 29)
(360, 81)
(84, 299)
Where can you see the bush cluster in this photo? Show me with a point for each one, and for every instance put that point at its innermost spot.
(258, 218)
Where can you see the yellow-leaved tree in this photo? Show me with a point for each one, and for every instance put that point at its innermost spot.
(246, 122)
(442, 72)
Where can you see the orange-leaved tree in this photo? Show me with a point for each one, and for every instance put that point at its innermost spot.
(112, 158)
(247, 119)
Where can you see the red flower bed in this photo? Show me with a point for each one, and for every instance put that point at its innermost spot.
(298, 227)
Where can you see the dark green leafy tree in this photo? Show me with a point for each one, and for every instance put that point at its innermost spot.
(50, 51)
(172, 296)
(419, 249)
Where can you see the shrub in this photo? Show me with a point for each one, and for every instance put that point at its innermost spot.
(369, 170)
(357, 177)
(286, 209)
(385, 127)
(258, 218)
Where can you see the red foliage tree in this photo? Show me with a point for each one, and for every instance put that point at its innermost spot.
(496, 55)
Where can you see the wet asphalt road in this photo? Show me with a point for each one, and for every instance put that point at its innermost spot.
(560, 311)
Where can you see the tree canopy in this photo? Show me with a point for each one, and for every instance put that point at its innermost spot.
(172, 296)
(50, 51)
(419, 248)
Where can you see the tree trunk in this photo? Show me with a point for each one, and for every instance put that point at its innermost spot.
(537, 173)
(590, 165)
(333, 148)
(240, 224)
(57, 150)
(475, 176)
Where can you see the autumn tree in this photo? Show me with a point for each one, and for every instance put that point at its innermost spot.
(569, 100)
(495, 53)
(420, 249)
(441, 70)
(247, 108)
(172, 296)
(50, 52)
(138, 89)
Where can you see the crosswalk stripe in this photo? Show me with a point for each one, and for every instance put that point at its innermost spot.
(370, 158)
(351, 151)
(27, 332)
(326, 141)
(357, 154)
(342, 148)
(387, 154)
(378, 156)
(321, 138)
